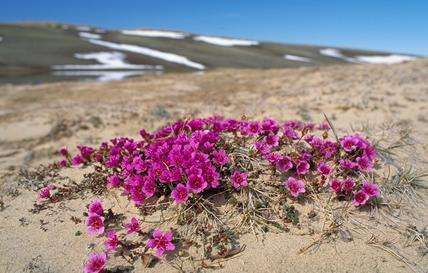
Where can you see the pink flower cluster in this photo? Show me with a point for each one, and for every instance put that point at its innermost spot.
(160, 241)
(345, 186)
(361, 154)
(95, 220)
(192, 157)
(189, 157)
(367, 192)
(95, 226)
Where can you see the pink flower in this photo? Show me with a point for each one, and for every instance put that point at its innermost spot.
(112, 241)
(290, 133)
(113, 181)
(314, 141)
(348, 185)
(239, 179)
(145, 135)
(96, 208)
(302, 167)
(284, 164)
(270, 125)
(180, 194)
(95, 225)
(272, 140)
(371, 189)
(349, 143)
(96, 263)
(63, 163)
(212, 177)
(45, 193)
(324, 169)
(161, 241)
(86, 151)
(220, 157)
(64, 151)
(360, 198)
(253, 128)
(370, 152)
(137, 196)
(364, 164)
(336, 185)
(196, 124)
(328, 149)
(347, 164)
(295, 186)
(272, 157)
(132, 226)
(77, 160)
(262, 147)
(339, 186)
(306, 156)
(149, 187)
(196, 183)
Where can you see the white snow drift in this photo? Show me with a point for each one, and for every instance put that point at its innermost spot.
(336, 53)
(389, 59)
(170, 57)
(107, 60)
(225, 41)
(88, 35)
(331, 52)
(103, 72)
(373, 59)
(155, 33)
(297, 58)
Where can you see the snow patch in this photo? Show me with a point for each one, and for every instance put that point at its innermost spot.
(297, 58)
(332, 52)
(170, 57)
(379, 59)
(155, 33)
(1, 38)
(88, 35)
(389, 59)
(104, 76)
(107, 60)
(225, 41)
(336, 53)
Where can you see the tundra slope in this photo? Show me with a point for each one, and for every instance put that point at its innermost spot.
(35, 52)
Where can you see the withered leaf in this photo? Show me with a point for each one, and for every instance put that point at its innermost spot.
(148, 260)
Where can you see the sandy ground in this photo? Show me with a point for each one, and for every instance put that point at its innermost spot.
(36, 120)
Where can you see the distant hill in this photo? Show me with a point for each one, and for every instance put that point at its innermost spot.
(37, 52)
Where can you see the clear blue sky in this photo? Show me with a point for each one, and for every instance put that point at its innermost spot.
(394, 25)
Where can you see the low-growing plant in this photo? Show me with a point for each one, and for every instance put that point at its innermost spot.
(207, 181)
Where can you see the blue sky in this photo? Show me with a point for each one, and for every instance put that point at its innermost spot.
(394, 25)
